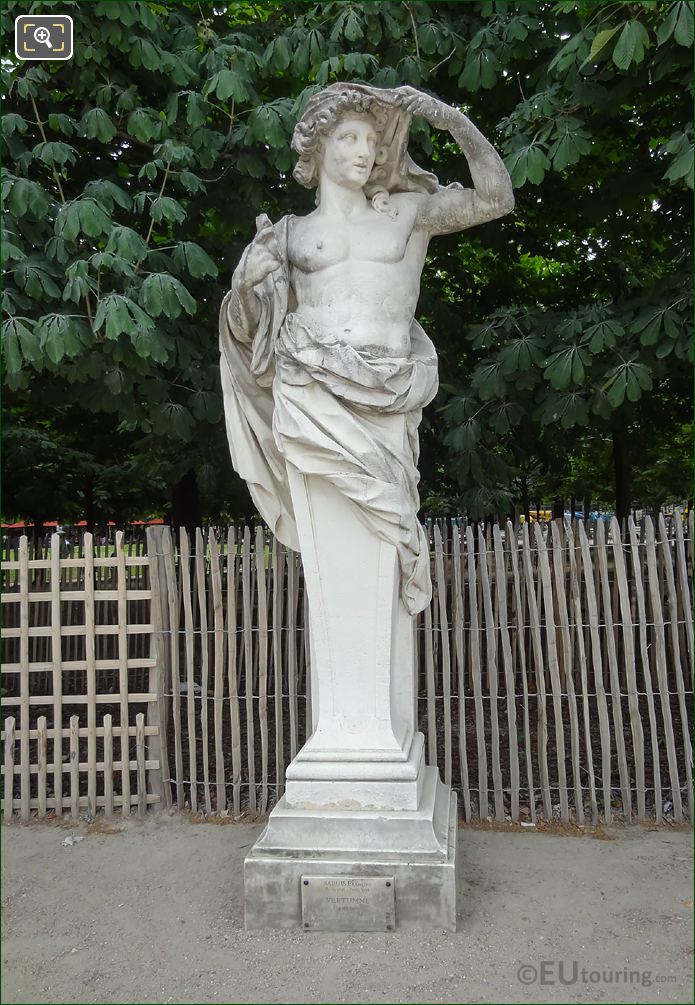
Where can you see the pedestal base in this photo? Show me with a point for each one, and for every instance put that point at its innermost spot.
(416, 848)
(331, 784)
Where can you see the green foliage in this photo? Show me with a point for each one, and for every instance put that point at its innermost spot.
(97, 125)
(81, 217)
(631, 46)
(133, 173)
(162, 294)
(678, 24)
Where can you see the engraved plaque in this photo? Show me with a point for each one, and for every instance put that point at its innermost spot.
(348, 903)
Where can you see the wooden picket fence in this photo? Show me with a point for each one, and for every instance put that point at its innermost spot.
(81, 683)
(554, 669)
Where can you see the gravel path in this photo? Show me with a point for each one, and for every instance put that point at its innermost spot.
(152, 911)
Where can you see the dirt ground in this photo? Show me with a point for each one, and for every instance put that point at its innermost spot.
(152, 911)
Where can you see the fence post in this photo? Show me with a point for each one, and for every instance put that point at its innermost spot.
(90, 653)
(158, 779)
(25, 701)
(9, 768)
(57, 674)
(124, 718)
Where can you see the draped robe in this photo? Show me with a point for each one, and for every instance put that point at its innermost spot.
(294, 395)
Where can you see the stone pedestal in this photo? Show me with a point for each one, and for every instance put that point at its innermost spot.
(415, 847)
(359, 800)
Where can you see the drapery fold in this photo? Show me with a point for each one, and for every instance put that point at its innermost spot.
(333, 411)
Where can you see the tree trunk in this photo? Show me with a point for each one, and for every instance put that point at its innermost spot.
(185, 503)
(525, 503)
(35, 533)
(622, 470)
(89, 505)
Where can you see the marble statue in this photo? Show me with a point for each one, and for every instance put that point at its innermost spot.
(325, 373)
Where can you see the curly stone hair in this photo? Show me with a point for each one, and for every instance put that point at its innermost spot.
(313, 129)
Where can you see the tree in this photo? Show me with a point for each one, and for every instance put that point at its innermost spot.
(597, 326)
(110, 289)
(133, 174)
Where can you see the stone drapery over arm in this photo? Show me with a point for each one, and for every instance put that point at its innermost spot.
(247, 371)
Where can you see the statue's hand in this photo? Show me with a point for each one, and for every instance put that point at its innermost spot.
(262, 257)
(437, 112)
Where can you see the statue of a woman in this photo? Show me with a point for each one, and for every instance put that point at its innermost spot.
(325, 372)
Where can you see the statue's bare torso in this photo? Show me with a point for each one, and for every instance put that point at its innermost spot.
(358, 280)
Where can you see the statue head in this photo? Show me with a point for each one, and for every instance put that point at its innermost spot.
(319, 120)
(393, 169)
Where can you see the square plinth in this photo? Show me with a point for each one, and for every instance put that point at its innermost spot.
(424, 886)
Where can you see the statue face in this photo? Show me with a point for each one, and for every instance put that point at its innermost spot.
(349, 151)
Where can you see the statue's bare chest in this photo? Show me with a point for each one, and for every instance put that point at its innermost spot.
(316, 243)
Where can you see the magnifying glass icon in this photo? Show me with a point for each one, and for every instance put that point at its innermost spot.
(43, 35)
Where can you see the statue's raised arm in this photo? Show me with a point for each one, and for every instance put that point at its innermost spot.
(456, 208)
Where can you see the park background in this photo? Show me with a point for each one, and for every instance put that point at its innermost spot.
(149, 670)
(132, 176)
(554, 663)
